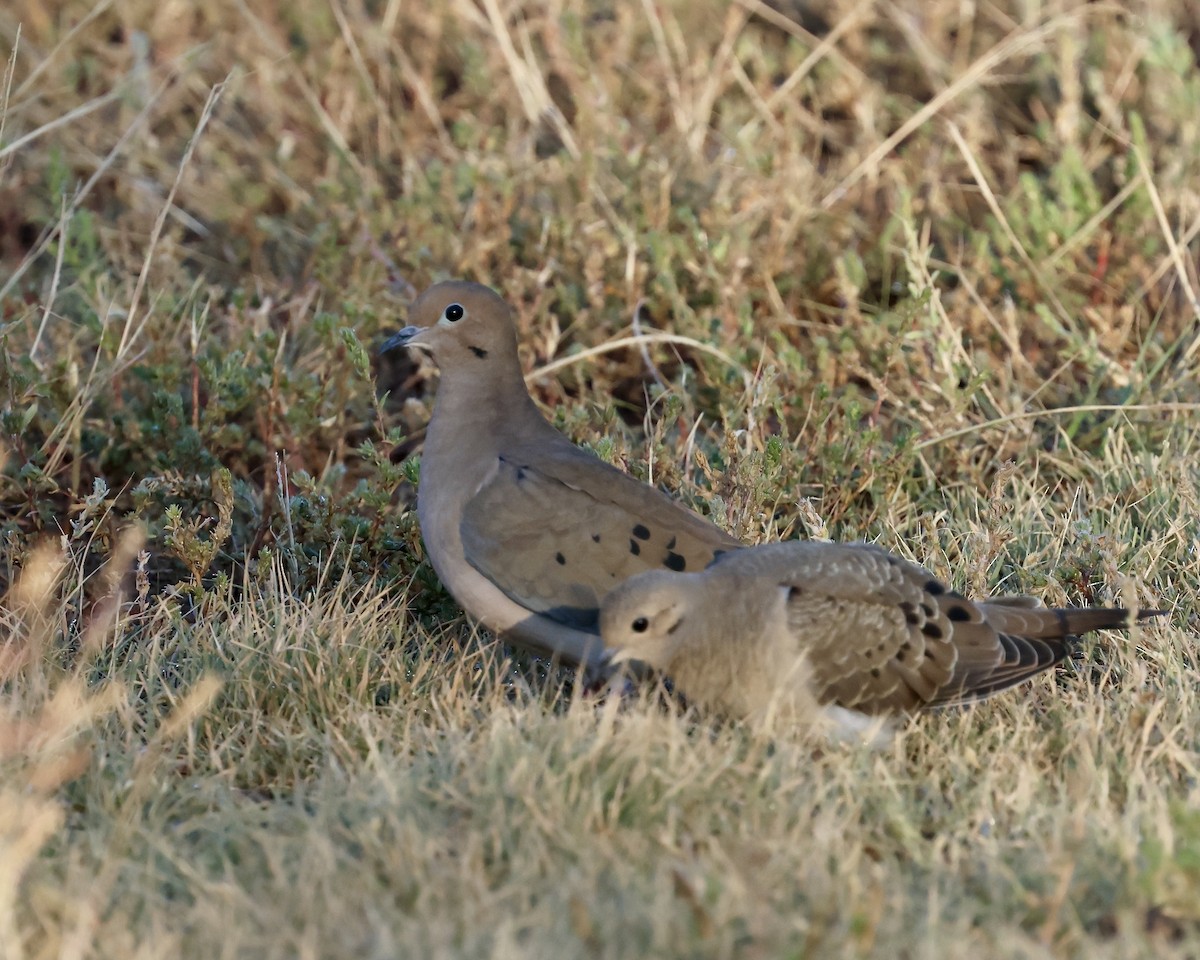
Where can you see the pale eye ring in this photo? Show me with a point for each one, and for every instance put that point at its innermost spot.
(454, 312)
(640, 625)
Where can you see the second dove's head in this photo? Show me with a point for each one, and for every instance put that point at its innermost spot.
(644, 619)
(459, 323)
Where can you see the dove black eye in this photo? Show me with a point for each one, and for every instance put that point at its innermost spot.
(454, 312)
(641, 625)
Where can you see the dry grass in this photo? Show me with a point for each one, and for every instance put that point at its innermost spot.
(924, 273)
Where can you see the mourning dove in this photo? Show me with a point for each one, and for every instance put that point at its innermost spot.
(526, 530)
(836, 632)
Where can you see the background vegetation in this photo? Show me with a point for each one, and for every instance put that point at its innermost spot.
(937, 264)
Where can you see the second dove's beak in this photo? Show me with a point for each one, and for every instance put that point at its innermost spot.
(615, 657)
(401, 338)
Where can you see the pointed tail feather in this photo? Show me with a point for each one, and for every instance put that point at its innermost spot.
(1076, 621)
(1051, 622)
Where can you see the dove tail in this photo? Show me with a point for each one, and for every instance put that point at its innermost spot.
(1048, 623)
(1074, 621)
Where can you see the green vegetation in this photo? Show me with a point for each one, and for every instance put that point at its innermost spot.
(933, 271)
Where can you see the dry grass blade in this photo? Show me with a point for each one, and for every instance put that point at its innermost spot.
(10, 68)
(85, 190)
(1021, 40)
(40, 66)
(1180, 262)
(1058, 411)
(985, 189)
(640, 340)
(46, 129)
(130, 333)
(851, 19)
(32, 609)
(528, 81)
(46, 715)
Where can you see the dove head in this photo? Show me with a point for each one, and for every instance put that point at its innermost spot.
(642, 619)
(464, 325)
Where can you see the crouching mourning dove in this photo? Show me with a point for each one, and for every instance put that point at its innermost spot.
(526, 530)
(833, 634)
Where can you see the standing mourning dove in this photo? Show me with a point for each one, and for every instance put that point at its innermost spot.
(527, 531)
(834, 633)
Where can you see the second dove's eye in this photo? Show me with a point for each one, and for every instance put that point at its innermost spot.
(641, 625)
(454, 312)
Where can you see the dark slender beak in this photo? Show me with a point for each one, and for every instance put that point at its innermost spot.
(401, 338)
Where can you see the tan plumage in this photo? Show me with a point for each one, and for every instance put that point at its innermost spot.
(801, 626)
(526, 530)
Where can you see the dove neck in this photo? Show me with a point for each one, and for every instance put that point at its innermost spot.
(495, 406)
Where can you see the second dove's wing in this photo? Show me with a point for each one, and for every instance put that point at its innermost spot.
(883, 634)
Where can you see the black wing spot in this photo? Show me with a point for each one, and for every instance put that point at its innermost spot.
(560, 559)
(927, 610)
(634, 547)
(675, 562)
(901, 654)
(932, 631)
(955, 595)
(875, 672)
(595, 538)
(932, 586)
(641, 532)
(959, 614)
(910, 613)
(479, 352)
(671, 544)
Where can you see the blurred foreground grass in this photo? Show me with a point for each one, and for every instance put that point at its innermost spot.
(942, 258)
